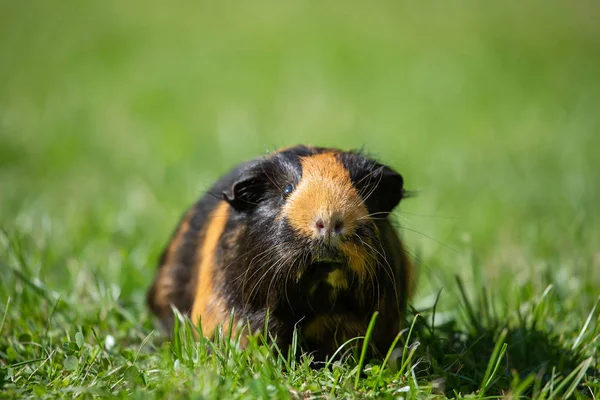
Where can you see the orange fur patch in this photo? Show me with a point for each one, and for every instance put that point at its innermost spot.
(164, 282)
(208, 306)
(324, 191)
(357, 259)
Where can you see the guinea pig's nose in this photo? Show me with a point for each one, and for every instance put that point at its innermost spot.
(329, 227)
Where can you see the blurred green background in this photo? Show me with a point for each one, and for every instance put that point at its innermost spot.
(115, 116)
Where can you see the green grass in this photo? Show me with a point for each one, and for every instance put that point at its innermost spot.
(115, 116)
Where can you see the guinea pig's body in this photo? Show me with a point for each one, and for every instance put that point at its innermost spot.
(301, 235)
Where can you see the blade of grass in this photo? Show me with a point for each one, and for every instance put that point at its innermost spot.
(137, 354)
(437, 299)
(468, 306)
(15, 247)
(386, 359)
(176, 336)
(293, 350)
(541, 306)
(266, 329)
(5, 312)
(411, 353)
(365, 346)
(583, 329)
(334, 386)
(495, 359)
(339, 349)
(18, 364)
(40, 366)
(520, 387)
(574, 378)
(229, 332)
(406, 346)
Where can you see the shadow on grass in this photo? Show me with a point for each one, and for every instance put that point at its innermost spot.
(494, 357)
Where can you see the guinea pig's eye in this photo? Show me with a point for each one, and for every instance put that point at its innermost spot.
(288, 190)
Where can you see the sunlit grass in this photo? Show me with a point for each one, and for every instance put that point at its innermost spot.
(115, 117)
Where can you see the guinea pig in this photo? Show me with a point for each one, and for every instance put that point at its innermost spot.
(302, 235)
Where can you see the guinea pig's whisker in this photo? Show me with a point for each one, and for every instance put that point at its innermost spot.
(265, 259)
(387, 268)
(421, 263)
(265, 269)
(370, 247)
(427, 215)
(366, 192)
(374, 187)
(264, 275)
(427, 236)
(259, 257)
(262, 255)
(283, 260)
(377, 283)
(399, 215)
(271, 180)
(285, 281)
(370, 216)
(266, 254)
(305, 261)
(370, 174)
(391, 271)
(374, 284)
(371, 191)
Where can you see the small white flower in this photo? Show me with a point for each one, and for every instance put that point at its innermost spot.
(109, 343)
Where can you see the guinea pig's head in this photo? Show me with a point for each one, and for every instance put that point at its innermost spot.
(311, 214)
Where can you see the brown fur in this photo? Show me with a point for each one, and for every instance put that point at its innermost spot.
(209, 308)
(302, 235)
(324, 190)
(165, 282)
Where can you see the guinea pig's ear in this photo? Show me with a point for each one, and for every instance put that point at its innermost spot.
(388, 192)
(246, 192)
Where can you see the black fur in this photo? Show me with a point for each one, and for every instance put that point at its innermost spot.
(381, 187)
(260, 254)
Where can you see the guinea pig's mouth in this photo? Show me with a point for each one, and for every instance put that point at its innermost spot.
(321, 262)
(320, 269)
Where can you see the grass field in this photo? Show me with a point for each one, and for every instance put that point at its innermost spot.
(115, 116)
